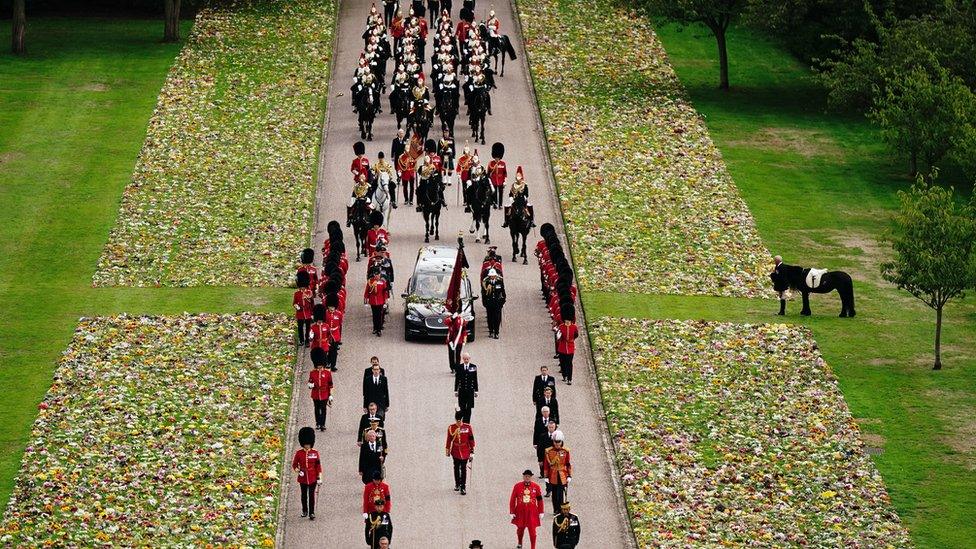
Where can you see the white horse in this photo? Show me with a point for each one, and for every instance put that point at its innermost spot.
(381, 196)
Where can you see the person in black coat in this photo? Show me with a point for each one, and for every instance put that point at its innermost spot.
(550, 401)
(466, 386)
(542, 442)
(399, 146)
(372, 412)
(378, 525)
(376, 389)
(565, 529)
(542, 381)
(370, 458)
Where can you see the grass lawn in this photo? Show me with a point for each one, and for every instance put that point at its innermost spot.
(73, 116)
(821, 188)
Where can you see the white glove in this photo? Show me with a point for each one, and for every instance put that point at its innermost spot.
(541, 515)
(568, 480)
(319, 481)
(513, 516)
(455, 393)
(311, 385)
(330, 399)
(365, 516)
(451, 345)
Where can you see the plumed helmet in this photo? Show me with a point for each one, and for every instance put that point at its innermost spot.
(332, 300)
(302, 279)
(359, 147)
(492, 272)
(308, 255)
(518, 173)
(376, 218)
(306, 435)
(497, 150)
(318, 356)
(557, 436)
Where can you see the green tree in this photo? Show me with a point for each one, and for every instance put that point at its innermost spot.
(19, 28)
(922, 116)
(933, 238)
(717, 15)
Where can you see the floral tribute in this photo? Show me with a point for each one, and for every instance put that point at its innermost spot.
(736, 435)
(647, 200)
(158, 429)
(223, 188)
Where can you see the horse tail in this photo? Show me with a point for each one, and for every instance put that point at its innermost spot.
(845, 287)
(509, 49)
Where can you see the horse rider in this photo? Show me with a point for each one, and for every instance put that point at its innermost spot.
(445, 148)
(493, 24)
(519, 189)
(360, 164)
(359, 192)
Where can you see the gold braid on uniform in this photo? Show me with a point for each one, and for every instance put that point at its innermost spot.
(374, 523)
(563, 526)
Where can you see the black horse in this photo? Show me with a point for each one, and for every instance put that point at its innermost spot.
(477, 111)
(399, 104)
(498, 46)
(447, 108)
(420, 120)
(480, 197)
(519, 225)
(367, 105)
(357, 216)
(430, 197)
(793, 277)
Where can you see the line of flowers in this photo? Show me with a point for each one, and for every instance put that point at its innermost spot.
(648, 202)
(736, 435)
(223, 188)
(158, 429)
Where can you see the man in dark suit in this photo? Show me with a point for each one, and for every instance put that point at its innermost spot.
(370, 458)
(542, 442)
(376, 389)
(466, 386)
(399, 146)
(542, 381)
(372, 413)
(548, 401)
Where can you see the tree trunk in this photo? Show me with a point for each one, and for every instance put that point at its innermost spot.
(19, 26)
(171, 9)
(938, 338)
(723, 58)
(913, 160)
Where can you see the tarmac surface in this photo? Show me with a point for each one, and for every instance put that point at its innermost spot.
(427, 512)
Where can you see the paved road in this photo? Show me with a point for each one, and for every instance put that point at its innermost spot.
(426, 510)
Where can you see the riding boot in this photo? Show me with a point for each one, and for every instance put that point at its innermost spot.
(508, 214)
(531, 215)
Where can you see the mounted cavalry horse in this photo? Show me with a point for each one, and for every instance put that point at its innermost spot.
(479, 196)
(357, 217)
(367, 101)
(498, 46)
(816, 281)
(477, 112)
(430, 199)
(519, 225)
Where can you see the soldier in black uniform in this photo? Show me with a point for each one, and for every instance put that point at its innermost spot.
(379, 525)
(466, 386)
(493, 296)
(565, 529)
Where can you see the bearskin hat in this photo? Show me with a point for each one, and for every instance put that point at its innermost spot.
(430, 145)
(566, 273)
(497, 150)
(338, 248)
(330, 289)
(302, 279)
(332, 299)
(333, 228)
(318, 312)
(359, 148)
(306, 435)
(318, 356)
(546, 229)
(380, 155)
(568, 312)
(308, 255)
(376, 218)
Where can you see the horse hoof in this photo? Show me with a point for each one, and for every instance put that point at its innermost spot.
(514, 259)
(437, 237)
(525, 261)
(477, 240)
(426, 239)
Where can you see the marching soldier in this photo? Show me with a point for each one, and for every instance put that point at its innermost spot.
(379, 526)
(565, 529)
(493, 295)
(566, 335)
(375, 295)
(446, 150)
(492, 261)
(540, 383)
(318, 333)
(308, 464)
(308, 258)
(463, 166)
(370, 458)
(367, 419)
(497, 172)
(460, 447)
(333, 323)
(407, 167)
(376, 234)
(526, 507)
(377, 490)
(558, 469)
(321, 385)
(302, 301)
(360, 164)
(457, 336)
(466, 386)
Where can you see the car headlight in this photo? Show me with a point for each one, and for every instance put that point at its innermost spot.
(413, 317)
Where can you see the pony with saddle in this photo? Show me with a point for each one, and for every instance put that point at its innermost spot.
(813, 281)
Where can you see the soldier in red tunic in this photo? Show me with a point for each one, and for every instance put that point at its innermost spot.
(333, 323)
(318, 334)
(376, 233)
(407, 167)
(308, 257)
(566, 335)
(308, 465)
(376, 490)
(457, 335)
(302, 302)
(376, 293)
(526, 507)
(558, 469)
(360, 164)
(498, 173)
(460, 447)
(320, 383)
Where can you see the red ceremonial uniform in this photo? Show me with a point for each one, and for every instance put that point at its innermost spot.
(462, 30)
(407, 166)
(321, 382)
(373, 236)
(303, 301)
(526, 504)
(435, 159)
(333, 323)
(313, 274)
(457, 331)
(374, 491)
(463, 166)
(377, 290)
(309, 465)
(460, 441)
(423, 29)
(497, 172)
(396, 27)
(360, 166)
(491, 264)
(319, 335)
